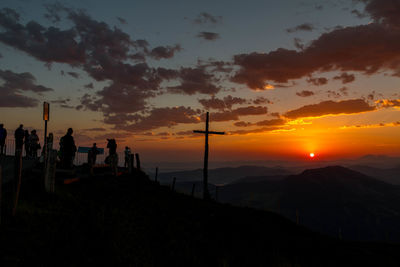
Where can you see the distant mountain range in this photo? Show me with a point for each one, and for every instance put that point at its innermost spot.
(222, 176)
(334, 200)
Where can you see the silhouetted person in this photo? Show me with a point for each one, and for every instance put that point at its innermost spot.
(33, 144)
(27, 144)
(127, 153)
(67, 149)
(19, 135)
(112, 158)
(92, 154)
(3, 136)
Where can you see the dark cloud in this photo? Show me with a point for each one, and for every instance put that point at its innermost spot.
(221, 104)
(302, 27)
(261, 100)
(164, 117)
(14, 84)
(364, 48)
(272, 122)
(97, 129)
(61, 101)
(89, 86)
(317, 81)
(209, 36)
(358, 14)
(207, 18)
(330, 108)
(73, 74)
(122, 20)
(345, 77)
(234, 114)
(305, 93)
(161, 52)
(195, 80)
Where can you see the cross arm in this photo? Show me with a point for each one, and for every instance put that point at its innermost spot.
(209, 132)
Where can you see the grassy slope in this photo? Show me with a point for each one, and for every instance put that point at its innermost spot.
(133, 222)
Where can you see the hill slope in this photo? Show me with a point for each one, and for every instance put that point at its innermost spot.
(133, 222)
(330, 200)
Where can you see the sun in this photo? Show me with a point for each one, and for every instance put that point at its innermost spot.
(312, 155)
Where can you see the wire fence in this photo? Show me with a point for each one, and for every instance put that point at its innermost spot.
(80, 158)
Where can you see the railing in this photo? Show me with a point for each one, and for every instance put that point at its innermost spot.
(80, 158)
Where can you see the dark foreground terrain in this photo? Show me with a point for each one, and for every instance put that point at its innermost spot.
(130, 221)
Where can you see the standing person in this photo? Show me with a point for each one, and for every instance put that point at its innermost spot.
(27, 144)
(67, 149)
(3, 136)
(19, 137)
(112, 158)
(33, 144)
(92, 154)
(127, 152)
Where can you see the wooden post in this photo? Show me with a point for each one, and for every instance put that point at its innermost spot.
(137, 161)
(173, 184)
(155, 178)
(206, 193)
(50, 170)
(193, 188)
(18, 157)
(216, 193)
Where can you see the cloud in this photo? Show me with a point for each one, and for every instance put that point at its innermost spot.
(209, 36)
(271, 122)
(234, 114)
(387, 103)
(302, 27)
(161, 52)
(73, 74)
(14, 84)
(330, 108)
(221, 104)
(207, 18)
(121, 20)
(261, 100)
(342, 49)
(164, 117)
(318, 81)
(89, 86)
(305, 93)
(195, 80)
(345, 77)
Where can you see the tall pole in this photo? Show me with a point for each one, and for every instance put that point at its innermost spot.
(206, 194)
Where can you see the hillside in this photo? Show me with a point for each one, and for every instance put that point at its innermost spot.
(332, 200)
(130, 221)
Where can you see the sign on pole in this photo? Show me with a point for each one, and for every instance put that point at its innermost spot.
(46, 111)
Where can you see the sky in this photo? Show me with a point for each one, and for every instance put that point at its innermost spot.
(282, 79)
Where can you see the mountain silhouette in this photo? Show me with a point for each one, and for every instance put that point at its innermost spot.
(130, 221)
(221, 175)
(332, 200)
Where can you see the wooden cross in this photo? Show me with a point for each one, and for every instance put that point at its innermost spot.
(206, 194)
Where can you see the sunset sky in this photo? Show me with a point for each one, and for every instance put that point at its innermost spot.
(281, 78)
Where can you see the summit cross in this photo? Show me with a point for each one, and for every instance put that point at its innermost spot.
(206, 194)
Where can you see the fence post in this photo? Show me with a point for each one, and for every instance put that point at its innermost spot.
(193, 188)
(18, 159)
(137, 161)
(173, 184)
(155, 178)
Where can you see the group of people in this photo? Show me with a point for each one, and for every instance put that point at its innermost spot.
(30, 141)
(22, 140)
